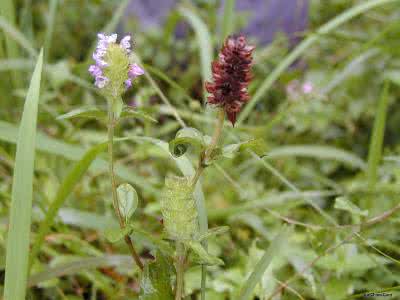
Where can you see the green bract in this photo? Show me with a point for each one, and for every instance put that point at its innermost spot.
(179, 209)
(116, 71)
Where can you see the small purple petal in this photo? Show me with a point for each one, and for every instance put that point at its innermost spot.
(125, 43)
(128, 83)
(135, 71)
(95, 71)
(101, 81)
(112, 38)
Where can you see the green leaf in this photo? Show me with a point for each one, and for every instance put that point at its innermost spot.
(156, 280)
(85, 112)
(213, 231)
(202, 256)
(80, 265)
(204, 41)
(127, 200)
(228, 18)
(185, 138)
(258, 146)
(96, 113)
(153, 240)
(21, 204)
(137, 114)
(73, 177)
(321, 152)
(378, 134)
(114, 235)
(344, 204)
(258, 272)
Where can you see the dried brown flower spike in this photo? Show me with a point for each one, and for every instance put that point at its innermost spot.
(231, 76)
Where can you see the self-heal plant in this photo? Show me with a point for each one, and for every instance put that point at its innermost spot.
(113, 73)
(228, 92)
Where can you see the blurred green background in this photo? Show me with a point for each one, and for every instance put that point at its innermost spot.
(330, 118)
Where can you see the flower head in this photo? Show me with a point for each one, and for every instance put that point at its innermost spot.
(231, 76)
(112, 71)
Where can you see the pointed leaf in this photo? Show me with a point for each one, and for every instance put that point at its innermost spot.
(258, 146)
(85, 112)
(16, 270)
(185, 138)
(137, 114)
(203, 257)
(127, 200)
(344, 204)
(156, 280)
(114, 235)
(212, 232)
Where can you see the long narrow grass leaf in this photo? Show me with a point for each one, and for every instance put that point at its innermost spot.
(255, 277)
(7, 11)
(80, 265)
(50, 27)
(378, 132)
(13, 33)
(203, 39)
(228, 18)
(320, 152)
(21, 205)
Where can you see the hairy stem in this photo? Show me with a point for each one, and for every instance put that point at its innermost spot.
(180, 269)
(111, 124)
(200, 168)
(214, 143)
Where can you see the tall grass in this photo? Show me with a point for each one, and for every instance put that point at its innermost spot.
(21, 205)
(376, 141)
(7, 10)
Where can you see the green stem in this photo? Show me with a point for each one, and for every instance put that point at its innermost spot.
(180, 269)
(128, 241)
(200, 168)
(214, 143)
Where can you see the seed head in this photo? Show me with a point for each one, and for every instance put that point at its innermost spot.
(231, 74)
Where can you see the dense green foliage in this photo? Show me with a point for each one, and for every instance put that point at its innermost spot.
(330, 168)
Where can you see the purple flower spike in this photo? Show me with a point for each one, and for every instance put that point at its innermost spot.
(135, 71)
(104, 64)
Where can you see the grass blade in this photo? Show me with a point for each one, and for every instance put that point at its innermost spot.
(378, 132)
(228, 18)
(321, 152)
(16, 36)
(255, 277)
(65, 189)
(79, 265)
(303, 46)
(21, 205)
(203, 39)
(7, 10)
(50, 26)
